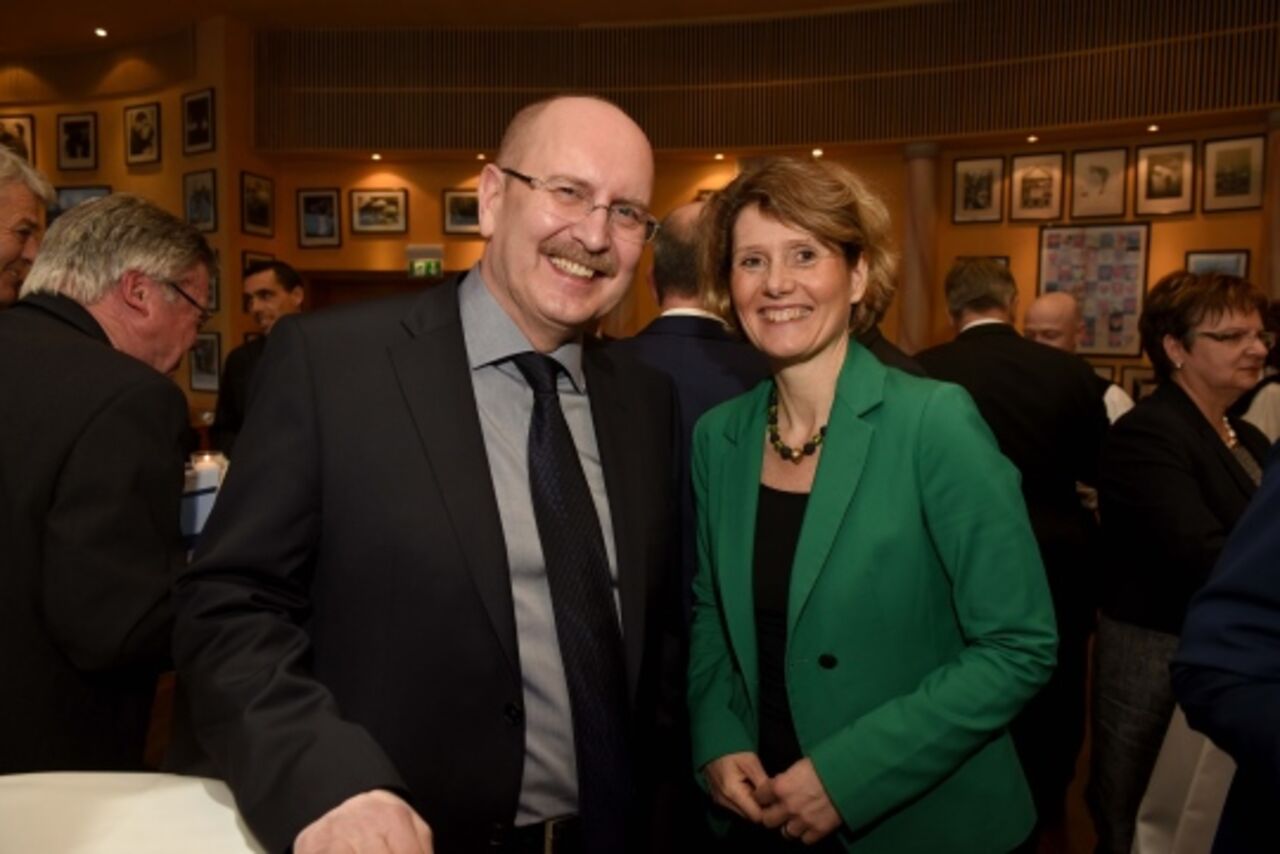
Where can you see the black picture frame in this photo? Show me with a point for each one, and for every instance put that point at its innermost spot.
(1036, 182)
(200, 199)
(1233, 173)
(1099, 184)
(199, 122)
(143, 136)
(461, 211)
(204, 361)
(257, 205)
(1163, 185)
(77, 142)
(379, 211)
(319, 217)
(1234, 262)
(21, 128)
(977, 190)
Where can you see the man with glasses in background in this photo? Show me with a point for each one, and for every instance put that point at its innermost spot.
(24, 194)
(90, 481)
(426, 612)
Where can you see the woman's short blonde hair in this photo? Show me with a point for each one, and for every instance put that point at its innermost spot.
(826, 200)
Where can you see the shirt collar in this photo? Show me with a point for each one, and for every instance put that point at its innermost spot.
(492, 337)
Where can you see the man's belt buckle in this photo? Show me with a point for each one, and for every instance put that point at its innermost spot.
(550, 832)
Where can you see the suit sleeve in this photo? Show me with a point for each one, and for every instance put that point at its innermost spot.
(1227, 671)
(228, 415)
(240, 639)
(112, 541)
(978, 524)
(717, 695)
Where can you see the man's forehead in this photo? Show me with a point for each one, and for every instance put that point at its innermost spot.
(263, 280)
(591, 142)
(17, 202)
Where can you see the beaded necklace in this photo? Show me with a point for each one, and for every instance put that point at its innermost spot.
(788, 453)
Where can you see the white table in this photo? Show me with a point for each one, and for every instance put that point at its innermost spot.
(78, 813)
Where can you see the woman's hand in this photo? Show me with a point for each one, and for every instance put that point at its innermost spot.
(797, 804)
(734, 780)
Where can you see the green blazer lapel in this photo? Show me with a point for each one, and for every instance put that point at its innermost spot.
(738, 485)
(859, 389)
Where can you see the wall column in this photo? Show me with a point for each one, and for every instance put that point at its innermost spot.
(1268, 275)
(916, 283)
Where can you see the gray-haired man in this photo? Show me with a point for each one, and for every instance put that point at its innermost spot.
(24, 194)
(90, 481)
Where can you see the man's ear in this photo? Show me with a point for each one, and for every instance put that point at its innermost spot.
(135, 293)
(490, 197)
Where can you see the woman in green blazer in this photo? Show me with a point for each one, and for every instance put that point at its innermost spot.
(870, 609)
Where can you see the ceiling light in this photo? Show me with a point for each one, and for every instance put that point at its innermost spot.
(1153, 128)
(100, 33)
(719, 156)
(817, 152)
(1032, 138)
(480, 156)
(375, 157)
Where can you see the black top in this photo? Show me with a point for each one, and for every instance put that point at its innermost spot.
(778, 519)
(1170, 493)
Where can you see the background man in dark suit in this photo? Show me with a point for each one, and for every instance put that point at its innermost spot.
(1043, 407)
(90, 480)
(707, 364)
(272, 290)
(1227, 670)
(24, 194)
(373, 634)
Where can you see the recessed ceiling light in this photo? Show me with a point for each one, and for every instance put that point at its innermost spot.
(480, 156)
(1153, 128)
(719, 156)
(1032, 138)
(375, 157)
(100, 33)
(817, 152)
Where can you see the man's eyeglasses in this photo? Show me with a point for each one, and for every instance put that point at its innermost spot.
(1236, 337)
(571, 201)
(205, 314)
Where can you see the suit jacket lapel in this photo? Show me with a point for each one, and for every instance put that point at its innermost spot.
(611, 418)
(859, 388)
(431, 366)
(733, 528)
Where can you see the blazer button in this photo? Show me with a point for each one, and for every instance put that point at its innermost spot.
(513, 713)
(827, 661)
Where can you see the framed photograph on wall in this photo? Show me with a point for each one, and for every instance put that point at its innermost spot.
(1036, 191)
(215, 301)
(461, 212)
(1164, 180)
(20, 130)
(200, 199)
(977, 191)
(1138, 380)
(379, 211)
(68, 197)
(248, 259)
(1233, 262)
(319, 218)
(198, 122)
(1232, 173)
(1098, 182)
(1105, 268)
(142, 134)
(204, 361)
(77, 141)
(257, 205)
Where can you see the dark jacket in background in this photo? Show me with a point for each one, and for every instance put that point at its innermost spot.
(90, 483)
(233, 393)
(889, 353)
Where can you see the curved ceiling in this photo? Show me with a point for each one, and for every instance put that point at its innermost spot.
(70, 27)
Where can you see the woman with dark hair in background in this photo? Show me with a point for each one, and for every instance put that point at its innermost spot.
(1177, 472)
(870, 609)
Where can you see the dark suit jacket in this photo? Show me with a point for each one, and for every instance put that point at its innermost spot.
(1044, 408)
(348, 623)
(1227, 670)
(233, 394)
(1169, 495)
(889, 353)
(708, 366)
(90, 480)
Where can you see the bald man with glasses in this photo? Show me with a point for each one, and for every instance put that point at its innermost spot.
(426, 613)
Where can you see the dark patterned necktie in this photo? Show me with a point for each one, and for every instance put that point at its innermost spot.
(582, 601)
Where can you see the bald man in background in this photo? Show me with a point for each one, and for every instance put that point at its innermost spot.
(1054, 319)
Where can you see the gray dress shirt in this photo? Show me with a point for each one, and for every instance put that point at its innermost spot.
(549, 786)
